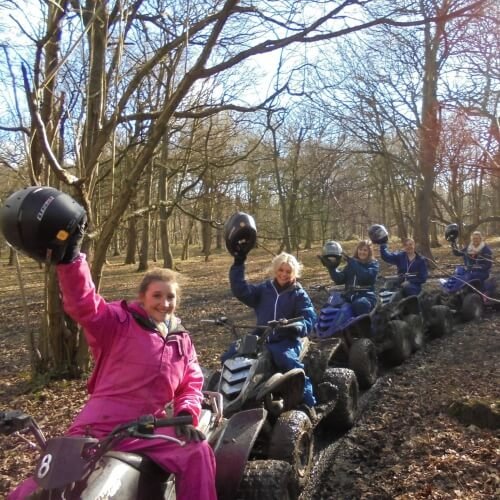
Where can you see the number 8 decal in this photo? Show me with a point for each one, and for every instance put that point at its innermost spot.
(44, 468)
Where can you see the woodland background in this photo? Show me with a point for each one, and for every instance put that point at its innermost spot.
(163, 117)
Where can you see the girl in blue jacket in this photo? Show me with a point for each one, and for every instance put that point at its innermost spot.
(407, 261)
(477, 255)
(280, 297)
(361, 270)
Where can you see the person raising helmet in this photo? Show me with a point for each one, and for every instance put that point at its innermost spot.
(279, 297)
(144, 358)
(410, 265)
(477, 255)
(361, 271)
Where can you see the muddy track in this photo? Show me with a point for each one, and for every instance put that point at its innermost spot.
(404, 444)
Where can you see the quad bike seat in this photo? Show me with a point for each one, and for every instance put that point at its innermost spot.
(141, 463)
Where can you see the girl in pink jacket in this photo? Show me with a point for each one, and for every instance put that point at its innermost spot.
(144, 360)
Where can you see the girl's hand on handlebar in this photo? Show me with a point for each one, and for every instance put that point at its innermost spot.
(189, 432)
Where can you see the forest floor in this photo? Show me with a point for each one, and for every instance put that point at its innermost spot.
(405, 444)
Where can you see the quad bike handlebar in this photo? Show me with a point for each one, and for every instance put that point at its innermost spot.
(14, 421)
(266, 329)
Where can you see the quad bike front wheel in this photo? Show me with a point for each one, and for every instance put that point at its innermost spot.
(414, 321)
(292, 441)
(400, 344)
(342, 417)
(440, 321)
(267, 480)
(364, 362)
(472, 307)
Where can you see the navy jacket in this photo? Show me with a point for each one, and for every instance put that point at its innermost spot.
(269, 303)
(357, 273)
(417, 266)
(483, 260)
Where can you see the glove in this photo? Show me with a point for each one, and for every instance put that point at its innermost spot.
(346, 257)
(383, 241)
(189, 433)
(291, 332)
(240, 258)
(329, 263)
(74, 243)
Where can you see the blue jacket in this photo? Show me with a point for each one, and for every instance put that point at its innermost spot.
(269, 303)
(417, 266)
(357, 273)
(482, 261)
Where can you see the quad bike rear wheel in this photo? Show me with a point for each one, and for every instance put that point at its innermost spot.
(267, 480)
(440, 322)
(342, 417)
(416, 324)
(472, 307)
(292, 441)
(363, 361)
(399, 336)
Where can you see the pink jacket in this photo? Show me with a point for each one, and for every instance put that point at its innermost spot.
(136, 371)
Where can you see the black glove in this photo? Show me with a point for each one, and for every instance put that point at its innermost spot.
(74, 243)
(291, 332)
(329, 263)
(346, 257)
(189, 433)
(239, 258)
(383, 241)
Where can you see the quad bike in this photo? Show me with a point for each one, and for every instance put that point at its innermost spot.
(435, 318)
(365, 339)
(464, 294)
(85, 468)
(393, 306)
(342, 339)
(249, 379)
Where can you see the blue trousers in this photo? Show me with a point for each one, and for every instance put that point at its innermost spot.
(285, 355)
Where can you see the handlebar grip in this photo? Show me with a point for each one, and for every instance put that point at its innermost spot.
(172, 421)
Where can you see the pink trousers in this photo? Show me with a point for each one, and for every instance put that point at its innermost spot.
(192, 464)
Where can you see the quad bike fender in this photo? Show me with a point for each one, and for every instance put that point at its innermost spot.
(358, 327)
(233, 449)
(409, 305)
(290, 385)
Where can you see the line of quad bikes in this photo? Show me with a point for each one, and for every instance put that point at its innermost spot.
(262, 436)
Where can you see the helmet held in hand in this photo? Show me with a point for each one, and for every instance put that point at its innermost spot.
(240, 233)
(332, 249)
(378, 234)
(39, 221)
(451, 232)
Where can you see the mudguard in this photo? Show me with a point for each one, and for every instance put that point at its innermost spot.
(233, 449)
(290, 385)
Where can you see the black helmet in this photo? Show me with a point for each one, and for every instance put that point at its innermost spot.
(332, 249)
(240, 233)
(37, 219)
(451, 232)
(378, 234)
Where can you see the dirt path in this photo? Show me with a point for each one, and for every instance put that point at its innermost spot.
(405, 445)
